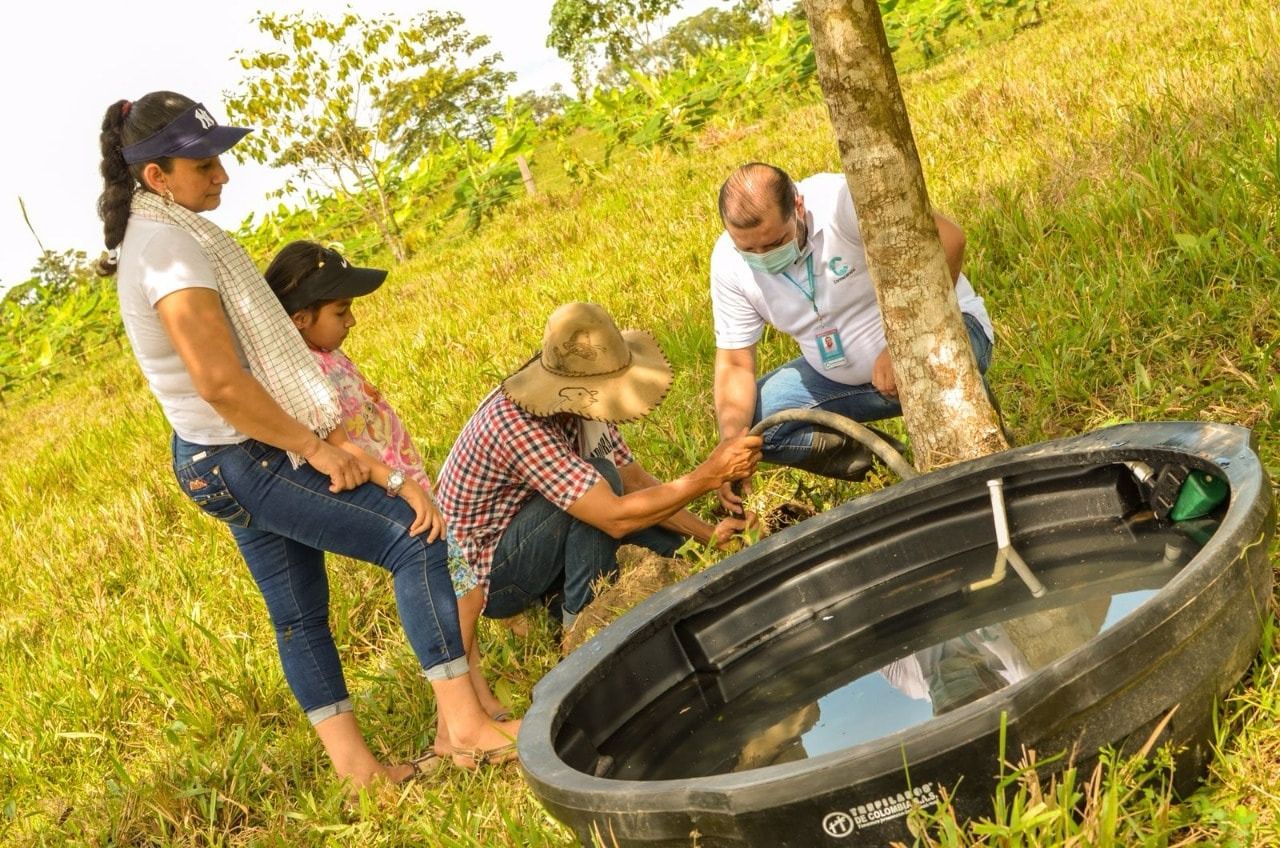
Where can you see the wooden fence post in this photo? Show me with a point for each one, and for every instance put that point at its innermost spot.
(527, 174)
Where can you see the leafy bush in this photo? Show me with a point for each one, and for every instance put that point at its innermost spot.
(52, 322)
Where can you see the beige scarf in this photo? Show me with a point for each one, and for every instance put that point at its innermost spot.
(278, 357)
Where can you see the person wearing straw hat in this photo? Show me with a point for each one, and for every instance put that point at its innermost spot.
(540, 488)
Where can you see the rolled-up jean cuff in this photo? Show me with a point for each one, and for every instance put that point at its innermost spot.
(449, 670)
(319, 714)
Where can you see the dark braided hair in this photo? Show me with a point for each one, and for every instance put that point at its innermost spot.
(128, 123)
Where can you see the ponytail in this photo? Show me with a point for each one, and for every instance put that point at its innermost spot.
(117, 185)
(128, 123)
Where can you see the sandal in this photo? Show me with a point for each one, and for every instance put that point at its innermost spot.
(422, 766)
(474, 758)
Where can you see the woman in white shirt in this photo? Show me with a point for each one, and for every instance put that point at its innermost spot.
(256, 442)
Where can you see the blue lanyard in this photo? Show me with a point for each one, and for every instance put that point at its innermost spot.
(811, 293)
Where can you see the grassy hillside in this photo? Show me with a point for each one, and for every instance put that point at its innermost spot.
(1117, 170)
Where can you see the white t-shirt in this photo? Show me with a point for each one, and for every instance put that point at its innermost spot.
(743, 300)
(156, 260)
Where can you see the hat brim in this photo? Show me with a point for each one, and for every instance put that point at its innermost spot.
(217, 140)
(616, 398)
(326, 285)
(354, 282)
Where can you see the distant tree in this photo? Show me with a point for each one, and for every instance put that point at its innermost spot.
(587, 33)
(707, 30)
(63, 311)
(713, 28)
(337, 100)
(448, 100)
(53, 278)
(543, 105)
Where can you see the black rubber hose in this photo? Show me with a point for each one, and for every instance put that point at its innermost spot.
(866, 436)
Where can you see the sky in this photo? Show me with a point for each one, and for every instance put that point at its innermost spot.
(63, 63)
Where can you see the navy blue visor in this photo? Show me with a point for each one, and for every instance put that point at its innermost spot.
(192, 135)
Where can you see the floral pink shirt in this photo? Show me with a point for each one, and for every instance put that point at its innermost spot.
(372, 424)
(369, 420)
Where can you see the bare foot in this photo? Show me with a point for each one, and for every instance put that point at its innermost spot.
(372, 784)
(399, 773)
(363, 777)
(381, 785)
(517, 624)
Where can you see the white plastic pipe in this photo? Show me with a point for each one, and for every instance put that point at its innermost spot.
(996, 489)
(1005, 552)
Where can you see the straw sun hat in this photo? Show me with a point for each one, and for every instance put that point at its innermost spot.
(590, 369)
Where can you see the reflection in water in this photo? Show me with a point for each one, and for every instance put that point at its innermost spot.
(780, 742)
(957, 671)
(797, 704)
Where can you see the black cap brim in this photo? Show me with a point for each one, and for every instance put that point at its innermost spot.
(334, 280)
(354, 282)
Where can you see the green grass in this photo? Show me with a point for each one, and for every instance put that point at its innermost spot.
(1117, 170)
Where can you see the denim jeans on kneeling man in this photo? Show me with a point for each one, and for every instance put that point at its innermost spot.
(283, 520)
(545, 552)
(798, 385)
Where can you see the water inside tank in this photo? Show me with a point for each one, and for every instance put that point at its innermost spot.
(788, 700)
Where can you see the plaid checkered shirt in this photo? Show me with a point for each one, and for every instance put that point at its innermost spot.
(503, 458)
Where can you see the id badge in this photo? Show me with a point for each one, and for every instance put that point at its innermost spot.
(831, 349)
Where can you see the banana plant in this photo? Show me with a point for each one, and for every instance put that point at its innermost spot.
(490, 179)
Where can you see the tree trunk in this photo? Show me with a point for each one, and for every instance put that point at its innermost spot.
(379, 213)
(945, 407)
(384, 217)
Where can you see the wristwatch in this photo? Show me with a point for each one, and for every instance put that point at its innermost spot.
(395, 480)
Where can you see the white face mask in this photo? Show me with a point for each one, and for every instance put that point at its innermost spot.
(776, 260)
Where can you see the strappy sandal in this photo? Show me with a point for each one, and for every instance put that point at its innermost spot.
(474, 758)
(423, 766)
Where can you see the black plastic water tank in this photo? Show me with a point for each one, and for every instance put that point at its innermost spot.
(695, 713)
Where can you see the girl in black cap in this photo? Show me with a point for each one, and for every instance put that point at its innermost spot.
(316, 286)
(257, 439)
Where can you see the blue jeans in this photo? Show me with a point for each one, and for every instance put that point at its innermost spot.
(797, 385)
(545, 552)
(283, 520)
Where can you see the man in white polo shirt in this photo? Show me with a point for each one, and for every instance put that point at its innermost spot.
(792, 257)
